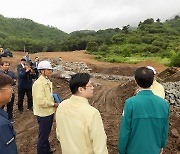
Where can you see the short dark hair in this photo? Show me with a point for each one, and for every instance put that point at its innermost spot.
(78, 80)
(3, 62)
(22, 59)
(5, 80)
(144, 77)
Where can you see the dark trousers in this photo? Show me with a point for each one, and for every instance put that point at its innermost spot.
(10, 107)
(21, 93)
(45, 125)
(37, 74)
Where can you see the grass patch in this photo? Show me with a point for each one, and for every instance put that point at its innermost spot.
(113, 58)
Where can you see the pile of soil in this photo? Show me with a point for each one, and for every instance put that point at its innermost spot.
(109, 98)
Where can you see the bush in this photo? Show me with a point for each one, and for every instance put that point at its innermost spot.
(148, 39)
(134, 40)
(175, 60)
(114, 59)
(118, 38)
(126, 52)
(117, 50)
(92, 47)
(167, 54)
(103, 48)
(160, 44)
(152, 49)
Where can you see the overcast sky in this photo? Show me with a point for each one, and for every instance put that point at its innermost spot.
(72, 15)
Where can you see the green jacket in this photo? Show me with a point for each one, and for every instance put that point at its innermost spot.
(144, 124)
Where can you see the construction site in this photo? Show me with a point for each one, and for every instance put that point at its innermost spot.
(114, 83)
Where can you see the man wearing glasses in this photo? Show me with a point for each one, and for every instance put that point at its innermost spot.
(80, 128)
(7, 133)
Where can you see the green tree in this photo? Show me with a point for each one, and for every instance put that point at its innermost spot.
(118, 38)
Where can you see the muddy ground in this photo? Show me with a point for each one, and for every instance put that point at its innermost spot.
(109, 97)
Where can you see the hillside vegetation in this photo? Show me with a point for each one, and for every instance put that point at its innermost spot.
(151, 40)
(19, 34)
(155, 40)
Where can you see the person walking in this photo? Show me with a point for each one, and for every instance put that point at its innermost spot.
(5, 69)
(79, 126)
(25, 76)
(44, 106)
(144, 123)
(7, 133)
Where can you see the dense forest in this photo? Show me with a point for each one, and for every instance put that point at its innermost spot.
(152, 38)
(19, 34)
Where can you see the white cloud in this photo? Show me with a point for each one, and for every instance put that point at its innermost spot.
(71, 15)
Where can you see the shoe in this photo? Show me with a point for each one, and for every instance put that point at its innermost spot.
(51, 150)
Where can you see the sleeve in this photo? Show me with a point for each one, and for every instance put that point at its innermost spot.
(7, 139)
(163, 93)
(125, 128)
(18, 67)
(57, 123)
(14, 76)
(165, 131)
(41, 96)
(98, 135)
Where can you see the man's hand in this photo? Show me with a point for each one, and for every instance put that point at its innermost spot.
(56, 104)
(161, 151)
(28, 68)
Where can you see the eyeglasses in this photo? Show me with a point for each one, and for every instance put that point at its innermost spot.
(90, 85)
(49, 69)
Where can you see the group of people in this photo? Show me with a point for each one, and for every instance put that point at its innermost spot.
(79, 126)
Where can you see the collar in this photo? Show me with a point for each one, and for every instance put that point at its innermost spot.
(44, 79)
(145, 92)
(6, 72)
(79, 99)
(22, 65)
(3, 113)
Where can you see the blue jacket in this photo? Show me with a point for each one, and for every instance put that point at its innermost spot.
(10, 73)
(25, 79)
(144, 124)
(7, 135)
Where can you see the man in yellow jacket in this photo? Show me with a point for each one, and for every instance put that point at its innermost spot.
(44, 106)
(79, 125)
